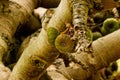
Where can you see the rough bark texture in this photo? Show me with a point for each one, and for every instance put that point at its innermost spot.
(13, 14)
(9, 24)
(40, 53)
(106, 50)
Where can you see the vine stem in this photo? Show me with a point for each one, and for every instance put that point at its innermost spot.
(80, 14)
(80, 9)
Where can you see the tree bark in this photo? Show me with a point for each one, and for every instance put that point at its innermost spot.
(9, 24)
(40, 53)
(106, 50)
(13, 14)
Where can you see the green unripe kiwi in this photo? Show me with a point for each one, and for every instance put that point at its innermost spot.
(52, 33)
(89, 34)
(96, 35)
(64, 44)
(109, 25)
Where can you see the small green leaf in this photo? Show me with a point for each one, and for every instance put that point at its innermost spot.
(52, 33)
